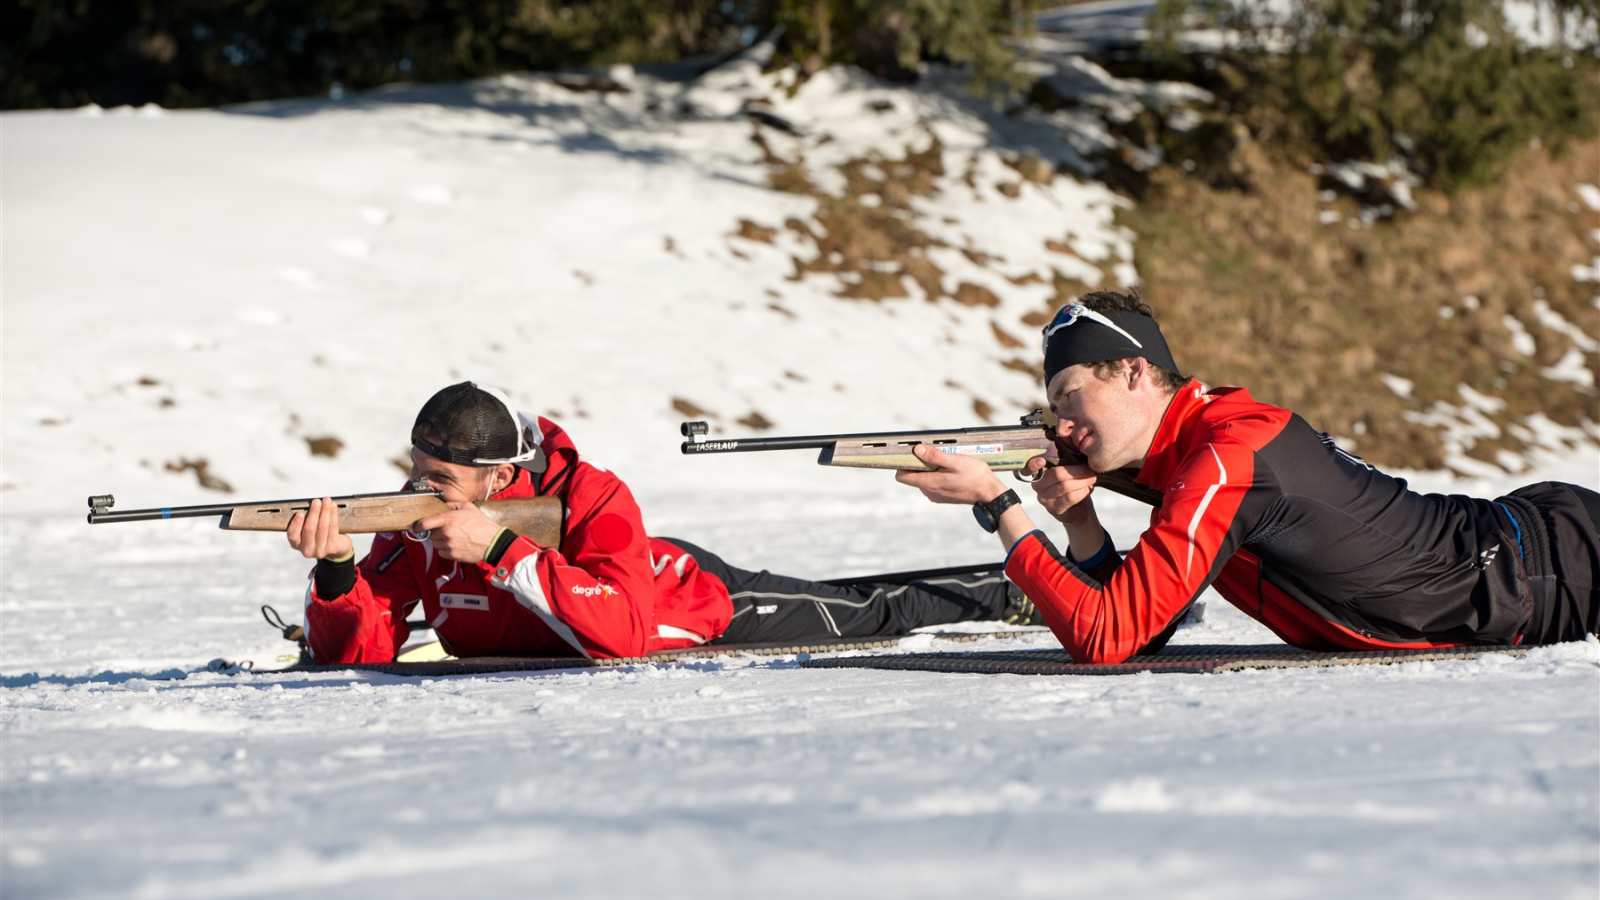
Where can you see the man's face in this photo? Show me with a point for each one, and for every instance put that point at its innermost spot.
(458, 483)
(1102, 420)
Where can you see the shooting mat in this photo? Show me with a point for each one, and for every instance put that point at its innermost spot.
(1179, 659)
(488, 664)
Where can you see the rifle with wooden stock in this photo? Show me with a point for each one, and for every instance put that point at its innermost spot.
(537, 518)
(1006, 448)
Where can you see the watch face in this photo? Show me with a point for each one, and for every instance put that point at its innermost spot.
(985, 521)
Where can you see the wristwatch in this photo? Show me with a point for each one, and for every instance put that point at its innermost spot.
(988, 514)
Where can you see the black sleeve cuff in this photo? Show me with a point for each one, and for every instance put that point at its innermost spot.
(335, 579)
(1103, 570)
(502, 543)
(1106, 549)
(1102, 565)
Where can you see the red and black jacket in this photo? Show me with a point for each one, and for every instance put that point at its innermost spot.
(1320, 547)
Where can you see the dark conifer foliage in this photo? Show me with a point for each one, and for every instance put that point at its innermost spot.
(1444, 84)
(182, 53)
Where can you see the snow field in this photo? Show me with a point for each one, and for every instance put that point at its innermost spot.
(718, 778)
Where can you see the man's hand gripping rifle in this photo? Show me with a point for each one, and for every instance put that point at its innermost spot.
(1004, 448)
(538, 518)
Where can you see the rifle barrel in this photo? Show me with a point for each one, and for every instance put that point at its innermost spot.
(106, 516)
(738, 445)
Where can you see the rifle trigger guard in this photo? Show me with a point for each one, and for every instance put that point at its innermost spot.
(417, 534)
(1017, 474)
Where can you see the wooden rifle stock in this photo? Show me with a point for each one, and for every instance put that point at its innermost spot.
(537, 518)
(1004, 448)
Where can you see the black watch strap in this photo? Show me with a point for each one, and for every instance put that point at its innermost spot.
(988, 514)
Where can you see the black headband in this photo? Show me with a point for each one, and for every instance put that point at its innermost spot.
(1078, 335)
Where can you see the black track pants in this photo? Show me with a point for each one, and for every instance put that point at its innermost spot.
(770, 608)
(1558, 526)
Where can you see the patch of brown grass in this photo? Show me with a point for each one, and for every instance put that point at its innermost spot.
(750, 231)
(1032, 169)
(1004, 337)
(325, 445)
(969, 294)
(687, 408)
(202, 473)
(867, 235)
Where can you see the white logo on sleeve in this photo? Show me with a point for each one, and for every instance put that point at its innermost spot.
(596, 590)
(1486, 557)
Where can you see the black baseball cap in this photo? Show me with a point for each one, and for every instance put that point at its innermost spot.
(471, 425)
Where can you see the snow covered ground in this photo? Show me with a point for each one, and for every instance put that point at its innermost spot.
(229, 286)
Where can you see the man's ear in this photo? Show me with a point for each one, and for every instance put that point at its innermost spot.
(1138, 371)
(504, 474)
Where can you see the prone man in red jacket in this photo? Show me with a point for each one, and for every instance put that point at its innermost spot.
(608, 591)
(1322, 548)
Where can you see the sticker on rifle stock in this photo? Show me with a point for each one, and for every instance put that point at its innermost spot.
(978, 449)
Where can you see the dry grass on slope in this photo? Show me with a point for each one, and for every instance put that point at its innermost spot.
(1255, 290)
(1466, 304)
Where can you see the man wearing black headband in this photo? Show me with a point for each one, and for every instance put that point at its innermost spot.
(608, 590)
(1320, 547)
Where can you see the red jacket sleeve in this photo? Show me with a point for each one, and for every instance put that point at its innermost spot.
(366, 624)
(1191, 536)
(598, 591)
